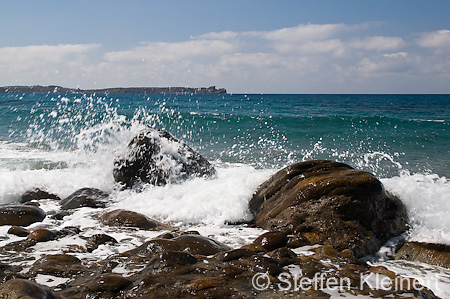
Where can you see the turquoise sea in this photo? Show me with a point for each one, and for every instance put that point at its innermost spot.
(384, 134)
(64, 142)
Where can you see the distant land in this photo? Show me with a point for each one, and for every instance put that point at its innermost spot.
(145, 90)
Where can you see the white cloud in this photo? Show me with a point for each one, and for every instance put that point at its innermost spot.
(43, 55)
(219, 35)
(435, 39)
(301, 33)
(296, 59)
(171, 52)
(379, 43)
(44, 64)
(399, 62)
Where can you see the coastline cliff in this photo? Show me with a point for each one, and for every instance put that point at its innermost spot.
(121, 90)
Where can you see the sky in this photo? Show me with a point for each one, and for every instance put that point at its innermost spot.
(245, 46)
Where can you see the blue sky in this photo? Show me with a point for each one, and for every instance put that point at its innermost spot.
(244, 46)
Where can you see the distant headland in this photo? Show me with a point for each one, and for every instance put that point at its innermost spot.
(144, 90)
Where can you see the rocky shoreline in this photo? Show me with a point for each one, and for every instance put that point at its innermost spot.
(320, 217)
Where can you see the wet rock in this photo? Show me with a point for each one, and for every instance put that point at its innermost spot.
(68, 231)
(128, 219)
(284, 256)
(60, 215)
(254, 247)
(429, 253)
(97, 240)
(191, 232)
(21, 215)
(192, 244)
(108, 282)
(42, 235)
(156, 157)
(340, 205)
(22, 288)
(37, 194)
(20, 245)
(165, 236)
(272, 240)
(8, 272)
(63, 265)
(205, 283)
(85, 197)
(258, 264)
(170, 260)
(234, 254)
(18, 231)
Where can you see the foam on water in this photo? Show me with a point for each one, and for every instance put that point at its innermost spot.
(426, 197)
(214, 201)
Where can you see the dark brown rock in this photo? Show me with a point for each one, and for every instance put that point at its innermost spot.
(284, 256)
(21, 215)
(234, 254)
(97, 240)
(58, 265)
(156, 157)
(19, 246)
(340, 205)
(258, 264)
(169, 261)
(165, 236)
(18, 231)
(272, 240)
(85, 197)
(37, 194)
(128, 219)
(42, 235)
(22, 288)
(193, 244)
(68, 231)
(429, 253)
(60, 215)
(8, 272)
(205, 283)
(108, 283)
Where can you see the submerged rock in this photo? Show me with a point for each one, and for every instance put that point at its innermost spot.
(128, 219)
(156, 157)
(332, 202)
(85, 197)
(21, 215)
(434, 254)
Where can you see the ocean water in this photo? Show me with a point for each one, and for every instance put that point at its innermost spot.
(66, 142)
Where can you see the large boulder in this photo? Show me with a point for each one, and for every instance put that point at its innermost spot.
(345, 207)
(156, 157)
(21, 215)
